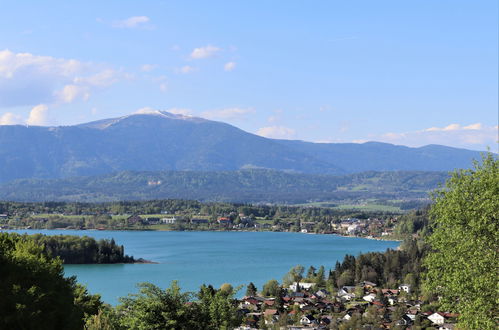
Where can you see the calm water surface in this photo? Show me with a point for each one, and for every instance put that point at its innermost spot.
(194, 258)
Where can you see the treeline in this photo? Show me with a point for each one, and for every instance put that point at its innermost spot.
(386, 269)
(248, 186)
(173, 206)
(80, 249)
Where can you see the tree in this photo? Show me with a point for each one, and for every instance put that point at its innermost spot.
(251, 290)
(271, 288)
(295, 274)
(154, 308)
(320, 277)
(311, 273)
(34, 292)
(462, 263)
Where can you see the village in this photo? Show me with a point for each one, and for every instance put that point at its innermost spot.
(303, 306)
(371, 227)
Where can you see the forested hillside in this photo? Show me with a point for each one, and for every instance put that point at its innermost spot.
(251, 186)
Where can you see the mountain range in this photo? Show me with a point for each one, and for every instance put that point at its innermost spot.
(162, 141)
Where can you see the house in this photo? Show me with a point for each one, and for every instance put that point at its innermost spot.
(302, 285)
(367, 284)
(321, 294)
(169, 221)
(153, 220)
(224, 220)
(3, 216)
(390, 292)
(307, 319)
(346, 289)
(135, 219)
(370, 297)
(353, 229)
(271, 316)
(405, 288)
(437, 318)
(405, 321)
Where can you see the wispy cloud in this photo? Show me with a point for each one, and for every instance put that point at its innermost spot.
(178, 111)
(228, 114)
(229, 66)
(147, 67)
(186, 69)
(131, 22)
(276, 132)
(475, 135)
(204, 52)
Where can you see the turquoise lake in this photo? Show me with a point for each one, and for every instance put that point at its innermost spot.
(194, 258)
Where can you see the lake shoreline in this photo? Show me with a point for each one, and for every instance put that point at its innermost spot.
(237, 231)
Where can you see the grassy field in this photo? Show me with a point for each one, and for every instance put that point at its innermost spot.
(367, 206)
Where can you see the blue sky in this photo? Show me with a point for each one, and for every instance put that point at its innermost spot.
(404, 72)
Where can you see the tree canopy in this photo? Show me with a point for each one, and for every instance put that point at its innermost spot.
(34, 293)
(462, 265)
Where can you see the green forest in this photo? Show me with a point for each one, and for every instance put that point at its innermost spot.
(244, 186)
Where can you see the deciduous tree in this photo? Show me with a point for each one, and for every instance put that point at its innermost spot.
(462, 266)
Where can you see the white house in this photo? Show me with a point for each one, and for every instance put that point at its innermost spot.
(303, 285)
(437, 318)
(405, 288)
(353, 229)
(307, 319)
(171, 220)
(370, 297)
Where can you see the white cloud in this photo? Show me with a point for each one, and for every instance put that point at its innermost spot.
(273, 119)
(104, 78)
(276, 132)
(38, 115)
(131, 22)
(10, 118)
(228, 114)
(186, 69)
(72, 92)
(477, 126)
(163, 87)
(177, 111)
(145, 111)
(229, 66)
(27, 79)
(147, 67)
(204, 52)
(471, 136)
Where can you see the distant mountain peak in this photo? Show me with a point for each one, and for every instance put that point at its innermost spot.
(105, 123)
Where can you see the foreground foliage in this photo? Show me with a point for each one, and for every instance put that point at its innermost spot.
(34, 293)
(462, 266)
(155, 308)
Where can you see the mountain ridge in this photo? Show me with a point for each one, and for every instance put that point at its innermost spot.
(161, 141)
(251, 185)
